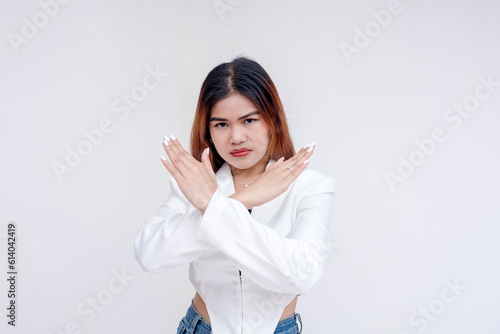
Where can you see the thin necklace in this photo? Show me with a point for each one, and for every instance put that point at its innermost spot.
(246, 184)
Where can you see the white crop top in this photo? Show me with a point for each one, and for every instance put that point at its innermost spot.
(247, 267)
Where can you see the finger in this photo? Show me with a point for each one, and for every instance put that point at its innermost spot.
(304, 148)
(189, 159)
(172, 155)
(298, 155)
(277, 162)
(308, 149)
(296, 170)
(175, 161)
(178, 156)
(173, 149)
(304, 160)
(205, 160)
(301, 160)
(171, 169)
(302, 151)
(305, 155)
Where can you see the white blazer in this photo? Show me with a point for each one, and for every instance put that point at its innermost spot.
(246, 266)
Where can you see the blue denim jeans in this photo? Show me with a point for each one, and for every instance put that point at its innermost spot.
(194, 323)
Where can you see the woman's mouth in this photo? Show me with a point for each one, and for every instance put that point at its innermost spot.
(240, 153)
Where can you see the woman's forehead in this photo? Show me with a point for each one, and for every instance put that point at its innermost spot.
(233, 107)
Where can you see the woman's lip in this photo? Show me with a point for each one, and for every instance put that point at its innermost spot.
(240, 153)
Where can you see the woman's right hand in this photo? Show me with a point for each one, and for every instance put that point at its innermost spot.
(275, 180)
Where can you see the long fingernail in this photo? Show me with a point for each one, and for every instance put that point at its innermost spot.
(166, 138)
(306, 146)
(208, 150)
(173, 137)
(163, 158)
(311, 147)
(306, 161)
(165, 142)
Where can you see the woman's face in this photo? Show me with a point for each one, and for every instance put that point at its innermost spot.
(236, 125)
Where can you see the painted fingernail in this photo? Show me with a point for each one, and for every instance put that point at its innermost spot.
(306, 146)
(166, 138)
(208, 150)
(310, 149)
(306, 161)
(163, 158)
(281, 159)
(173, 137)
(165, 142)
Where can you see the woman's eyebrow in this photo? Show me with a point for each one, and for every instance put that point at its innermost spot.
(245, 116)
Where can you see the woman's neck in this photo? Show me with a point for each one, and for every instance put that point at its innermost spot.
(249, 174)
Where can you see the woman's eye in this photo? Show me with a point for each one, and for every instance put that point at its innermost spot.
(217, 125)
(251, 119)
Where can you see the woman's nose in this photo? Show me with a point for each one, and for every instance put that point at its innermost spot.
(237, 135)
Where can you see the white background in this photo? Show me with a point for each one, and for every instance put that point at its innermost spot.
(396, 246)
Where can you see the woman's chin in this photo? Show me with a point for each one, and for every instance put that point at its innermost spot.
(240, 164)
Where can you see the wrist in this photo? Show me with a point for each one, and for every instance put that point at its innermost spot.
(242, 196)
(207, 201)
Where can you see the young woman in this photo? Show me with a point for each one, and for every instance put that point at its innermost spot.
(244, 210)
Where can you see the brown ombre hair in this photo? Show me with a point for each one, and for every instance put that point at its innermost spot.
(245, 77)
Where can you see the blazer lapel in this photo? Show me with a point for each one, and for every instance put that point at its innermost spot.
(262, 213)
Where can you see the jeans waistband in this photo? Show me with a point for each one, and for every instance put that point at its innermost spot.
(194, 318)
(289, 322)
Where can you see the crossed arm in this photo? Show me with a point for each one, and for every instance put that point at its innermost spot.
(178, 235)
(198, 183)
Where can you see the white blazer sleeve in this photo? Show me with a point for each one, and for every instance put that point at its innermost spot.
(168, 239)
(285, 265)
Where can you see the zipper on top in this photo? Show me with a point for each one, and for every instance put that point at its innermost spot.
(241, 298)
(241, 291)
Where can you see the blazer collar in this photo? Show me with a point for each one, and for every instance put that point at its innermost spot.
(262, 213)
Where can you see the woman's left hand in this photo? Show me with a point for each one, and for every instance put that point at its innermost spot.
(196, 179)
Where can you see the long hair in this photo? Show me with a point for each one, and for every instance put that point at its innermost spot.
(246, 77)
